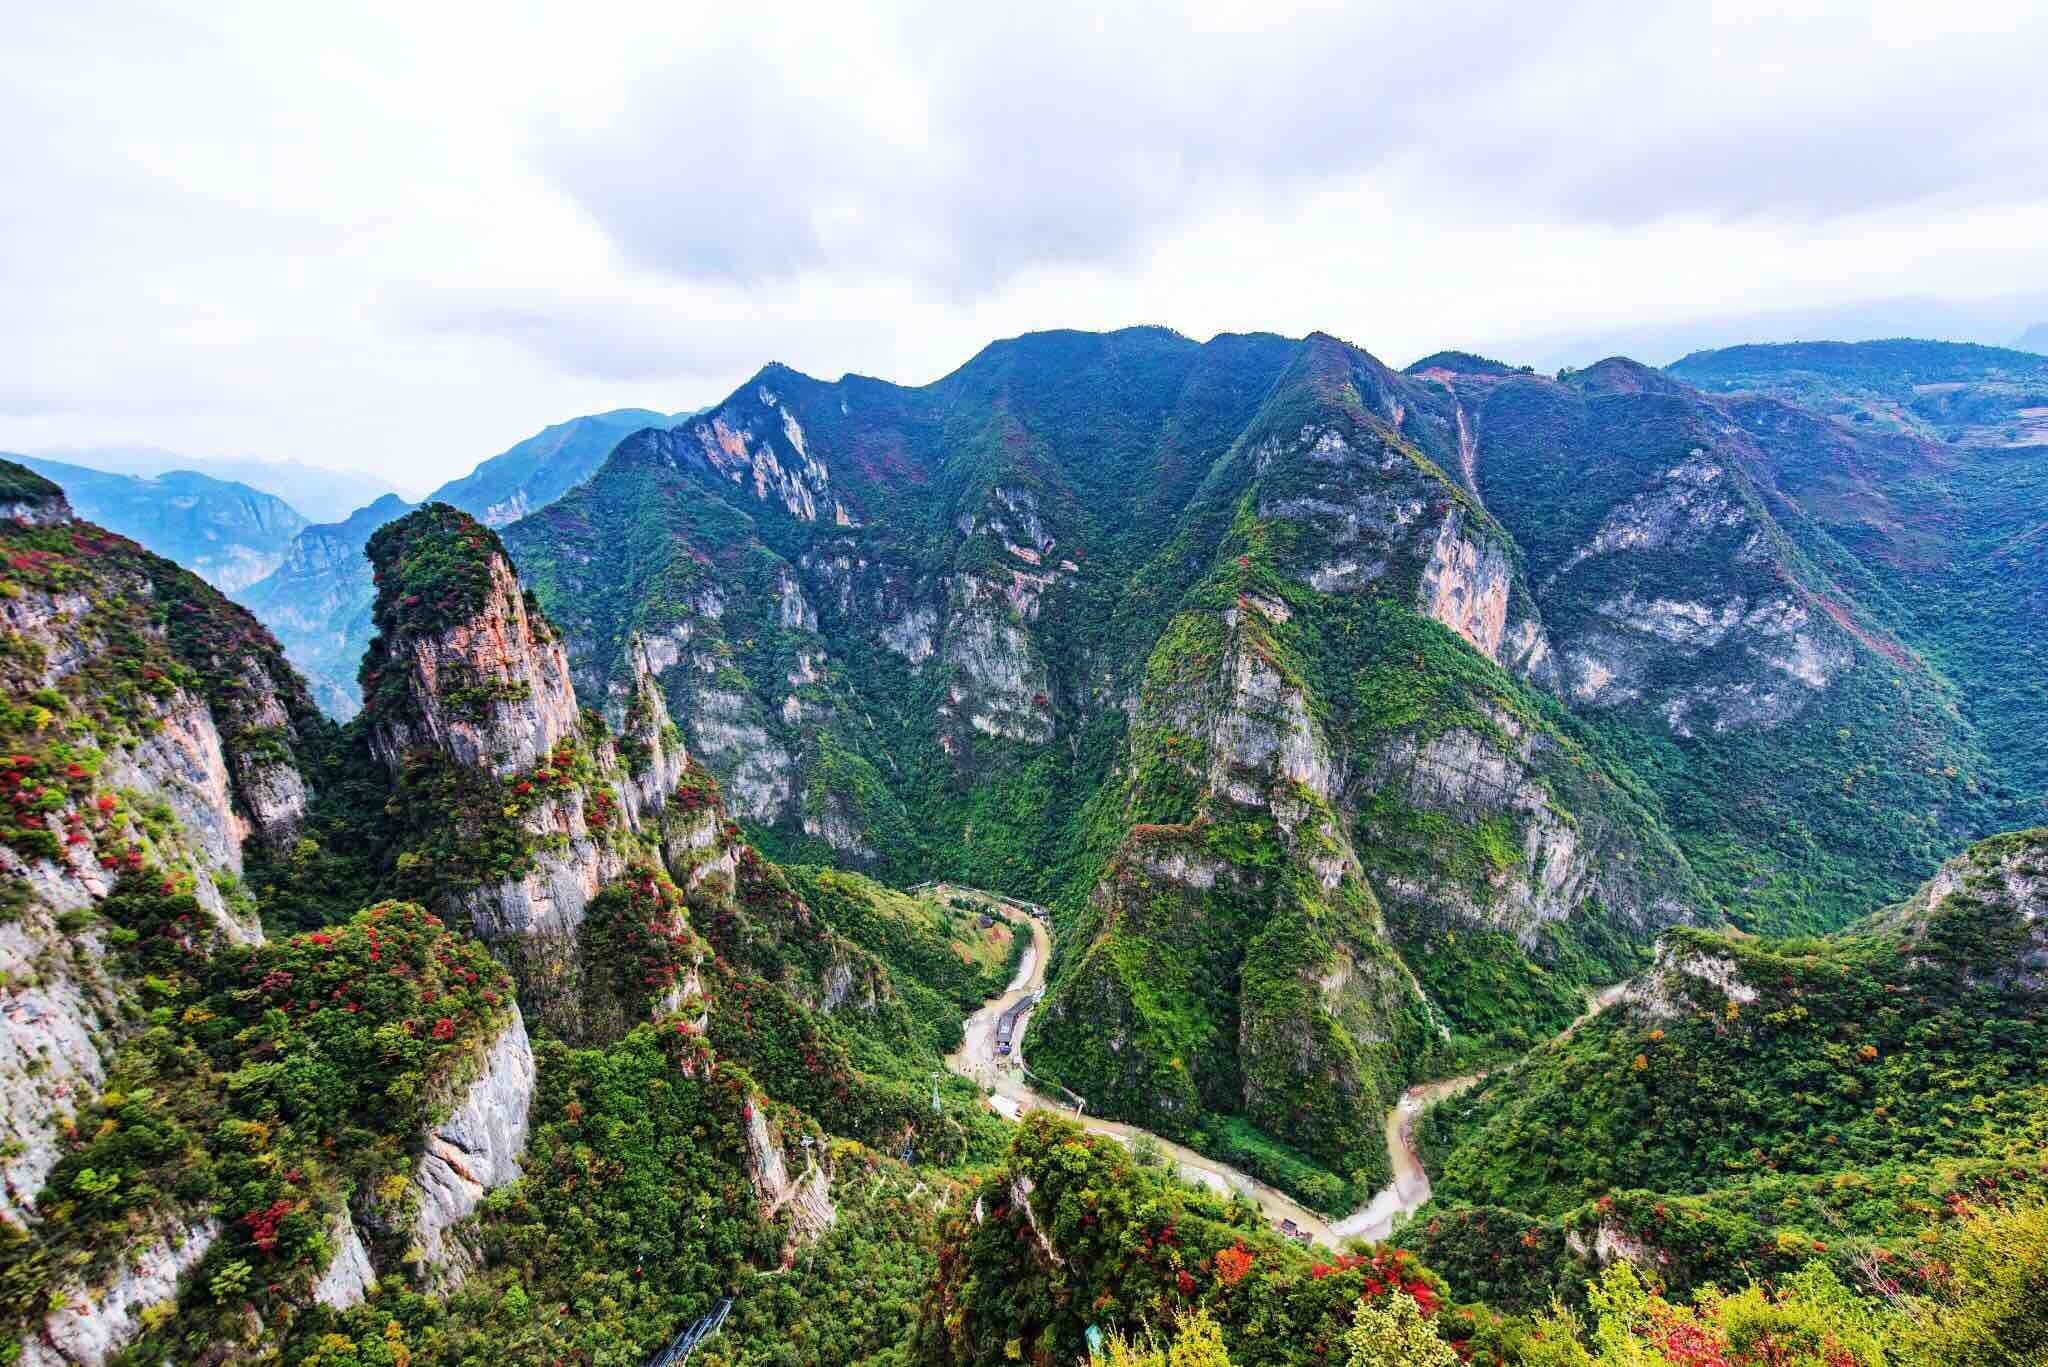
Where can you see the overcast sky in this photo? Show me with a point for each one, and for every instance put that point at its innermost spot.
(400, 238)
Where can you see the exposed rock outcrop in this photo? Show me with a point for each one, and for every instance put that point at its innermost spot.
(95, 1323)
(1684, 979)
(806, 1199)
(88, 776)
(1554, 845)
(491, 690)
(475, 1150)
(481, 682)
(59, 1007)
(349, 1276)
(649, 745)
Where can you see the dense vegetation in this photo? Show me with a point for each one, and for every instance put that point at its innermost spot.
(1764, 1100)
(1175, 637)
(270, 1087)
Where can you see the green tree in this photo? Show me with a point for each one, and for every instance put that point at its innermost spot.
(1197, 1342)
(1994, 1309)
(1391, 1332)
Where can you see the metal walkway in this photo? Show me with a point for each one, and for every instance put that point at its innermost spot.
(678, 1353)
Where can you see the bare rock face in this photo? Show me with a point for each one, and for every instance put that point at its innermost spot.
(163, 746)
(95, 1323)
(1682, 980)
(1558, 847)
(805, 1198)
(349, 1277)
(773, 458)
(269, 787)
(58, 1009)
(492, 691)
(1001, 686)
(48, 509)
(1381, 520)
(758, 771)
(1732, 644)
(649, 744)
(472, 676)
(475, 1150)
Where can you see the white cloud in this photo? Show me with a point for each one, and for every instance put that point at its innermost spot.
(401, 237)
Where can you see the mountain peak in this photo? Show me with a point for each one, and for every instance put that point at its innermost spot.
(1620, 375)
(28, 498)
(1460, 363)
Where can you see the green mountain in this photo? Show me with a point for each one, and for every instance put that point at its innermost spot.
(477, 1029)
(1717, 630)
(1353, 721)
(1753, 1101)
(318, 599)
(1942, 519)
(476, 1000)
(229, 534)
(539, 470)
(1956, 392)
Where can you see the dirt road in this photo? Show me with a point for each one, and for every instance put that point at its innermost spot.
(1010, 1091)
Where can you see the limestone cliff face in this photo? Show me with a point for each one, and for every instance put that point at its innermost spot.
(100, 754)
(97, 1322)
(475, 1150)
(761, 445)
(1370, 513)
(1000, 686)
(1560, 843)
(804, 1200)
(491, 691)
(1666, 581)
(649, 745)
(1708, 656)
(349, 1276)
(1250, 912)
(481, 689)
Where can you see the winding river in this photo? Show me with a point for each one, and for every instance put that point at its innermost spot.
(1008, 1090)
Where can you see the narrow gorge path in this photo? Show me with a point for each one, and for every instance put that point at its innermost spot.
(1006, 1083)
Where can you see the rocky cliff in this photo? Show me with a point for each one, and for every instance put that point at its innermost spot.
(472, 1151)
(469, 704)
(148, 724)
(1694, 567)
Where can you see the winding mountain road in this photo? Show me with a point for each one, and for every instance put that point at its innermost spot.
(1005, 1080)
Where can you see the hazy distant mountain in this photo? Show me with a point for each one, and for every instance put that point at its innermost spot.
(542, 468)
(317, 604)
(2034, 338)
(1955, 392)
(318, 601)
(322, 494)
(1992, 322)
(228, 533)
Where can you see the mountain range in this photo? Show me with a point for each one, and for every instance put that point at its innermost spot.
(232, 535)
(318, 492)
(1616, 759)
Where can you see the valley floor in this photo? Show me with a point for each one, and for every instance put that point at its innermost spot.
(1008, 1082)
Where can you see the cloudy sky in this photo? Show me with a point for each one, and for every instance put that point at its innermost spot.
(399, 238)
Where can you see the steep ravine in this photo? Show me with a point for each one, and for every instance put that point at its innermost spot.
(1007, 1081)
